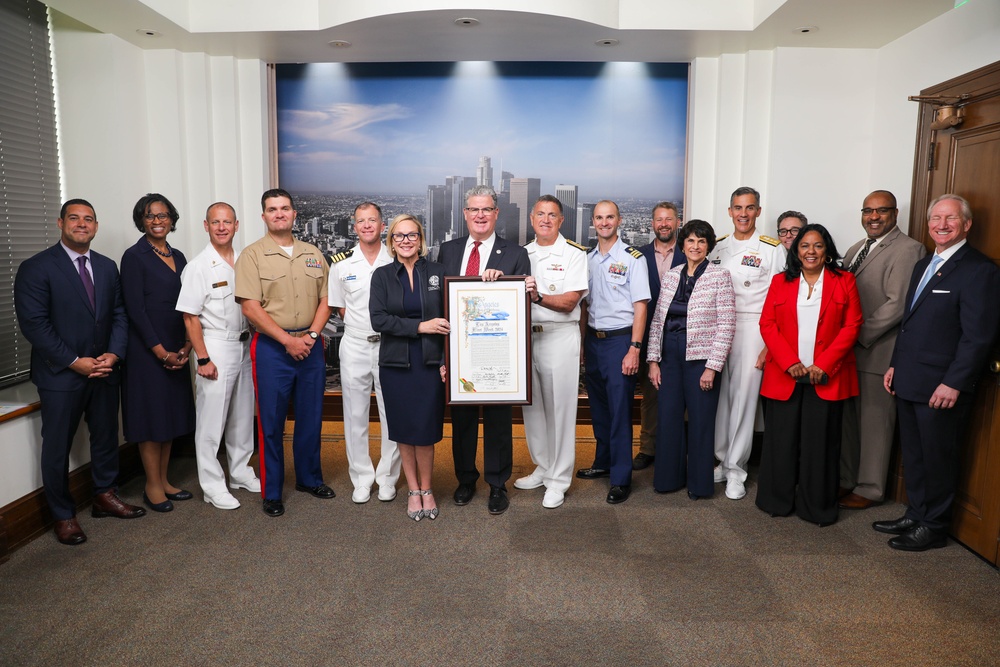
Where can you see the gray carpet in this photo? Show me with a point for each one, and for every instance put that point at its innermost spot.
(658, 580)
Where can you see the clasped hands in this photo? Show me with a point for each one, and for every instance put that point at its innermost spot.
(814, 372)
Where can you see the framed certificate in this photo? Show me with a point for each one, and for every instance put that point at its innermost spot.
(489, 348)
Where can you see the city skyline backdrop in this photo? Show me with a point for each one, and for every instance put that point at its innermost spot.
(611, 129)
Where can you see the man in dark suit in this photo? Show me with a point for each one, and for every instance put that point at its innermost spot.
(882, 263)
(662, 254)
(69, 306)
(948, 329)
(483, 253)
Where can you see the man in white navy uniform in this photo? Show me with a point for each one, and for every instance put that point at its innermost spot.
(618, 294)
(350, 284)
(220, 338)
(752, 260)
(559, 269)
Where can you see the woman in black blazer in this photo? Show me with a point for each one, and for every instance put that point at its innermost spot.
(407, 307)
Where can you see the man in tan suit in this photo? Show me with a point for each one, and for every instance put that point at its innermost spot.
(882, 263)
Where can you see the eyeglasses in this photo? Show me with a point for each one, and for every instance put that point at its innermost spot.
(484, 211)
(157, 216)
(882, 210)
(410, 236)
(789, 232)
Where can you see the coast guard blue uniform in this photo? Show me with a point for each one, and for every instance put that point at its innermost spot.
(616, 281)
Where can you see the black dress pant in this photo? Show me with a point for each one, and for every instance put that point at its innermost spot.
(498, 447)
(800, 461)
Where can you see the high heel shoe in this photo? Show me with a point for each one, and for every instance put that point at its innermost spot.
(419, 514)
(433, 512)
(165, 506)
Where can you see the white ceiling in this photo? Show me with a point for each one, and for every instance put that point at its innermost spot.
(557, 30)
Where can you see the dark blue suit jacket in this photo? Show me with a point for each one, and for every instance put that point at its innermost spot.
(508, 257)
(946, 336)
(654, 283)
(56, 317)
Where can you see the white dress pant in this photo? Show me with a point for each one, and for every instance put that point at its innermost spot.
(358, 374)
(739, 387)
(225, 406)
(550, 420)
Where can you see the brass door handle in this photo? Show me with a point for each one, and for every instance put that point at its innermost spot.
(995, 366)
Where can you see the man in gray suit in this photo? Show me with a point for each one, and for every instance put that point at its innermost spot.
(882, 263)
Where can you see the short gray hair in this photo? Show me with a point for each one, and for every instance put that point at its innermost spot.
(481, 191)
(966, 209)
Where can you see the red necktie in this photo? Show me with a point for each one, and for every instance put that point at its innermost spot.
(472, 268)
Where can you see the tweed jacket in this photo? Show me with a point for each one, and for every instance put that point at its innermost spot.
(711, 317)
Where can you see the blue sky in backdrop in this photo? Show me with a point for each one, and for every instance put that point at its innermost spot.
(613, 129)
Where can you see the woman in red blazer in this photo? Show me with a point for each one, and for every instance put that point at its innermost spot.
(810, 322)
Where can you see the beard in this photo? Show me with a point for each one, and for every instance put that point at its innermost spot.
(665, 238)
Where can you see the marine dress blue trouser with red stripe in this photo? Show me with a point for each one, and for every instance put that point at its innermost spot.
(278, 378)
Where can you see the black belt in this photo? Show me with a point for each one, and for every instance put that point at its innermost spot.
(609, 333)
(374, 338)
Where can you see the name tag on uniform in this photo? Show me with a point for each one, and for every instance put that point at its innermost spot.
(350, 277)
(222, 284)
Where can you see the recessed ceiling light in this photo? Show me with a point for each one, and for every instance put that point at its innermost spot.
(466, 22)
(806, 29)
(340, 43)
(609, 41)
(145, 32)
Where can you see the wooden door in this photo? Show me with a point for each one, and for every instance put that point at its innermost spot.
(965, 160)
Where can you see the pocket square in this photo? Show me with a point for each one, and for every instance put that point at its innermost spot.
(940, 291)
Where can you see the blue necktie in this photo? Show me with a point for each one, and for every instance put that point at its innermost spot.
(931, 270)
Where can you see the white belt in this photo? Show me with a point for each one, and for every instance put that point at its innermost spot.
(222, 334)
(371, 337)
(553, 326)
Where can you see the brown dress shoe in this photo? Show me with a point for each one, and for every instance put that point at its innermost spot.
(853, 501)
(109, 504)
(68, 531)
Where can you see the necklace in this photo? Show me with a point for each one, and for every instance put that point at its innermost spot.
(168, 253)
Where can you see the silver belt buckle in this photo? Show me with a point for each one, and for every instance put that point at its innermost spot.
(374, 338)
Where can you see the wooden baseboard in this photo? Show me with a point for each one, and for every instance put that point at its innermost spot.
(29, 517)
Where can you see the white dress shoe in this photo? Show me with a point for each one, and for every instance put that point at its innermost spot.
(720, 475)
(735, 489)
(553, 499)
(386, 493)
(530, 482)
(251, 485)
(224, 501)
(361, 495)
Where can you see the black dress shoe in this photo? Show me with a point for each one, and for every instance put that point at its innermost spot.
(592, 473)
(68, 531)
(498, 503)
(642, 461)
(464, 493)
(896, 527)
(321, 491)
(273, 507)
(920, 538)
(619, 494)
(180, 495)
(165, 506)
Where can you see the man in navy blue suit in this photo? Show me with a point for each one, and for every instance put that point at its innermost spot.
(662, 254)
(483, 253)
(949, 327)
(69, 306)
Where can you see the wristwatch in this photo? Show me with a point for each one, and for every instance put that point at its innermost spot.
(637, 345)
(537, 300)
(312, 334)
(202, 362)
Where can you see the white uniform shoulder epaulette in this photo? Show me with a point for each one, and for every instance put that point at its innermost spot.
(633, 251)
(577, 245)
(722, 237)
(770, 240)
(340, 256)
